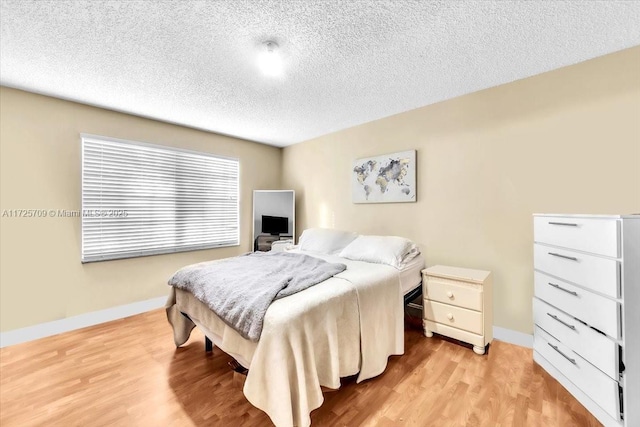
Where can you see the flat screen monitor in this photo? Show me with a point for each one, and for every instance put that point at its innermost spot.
(275, 224)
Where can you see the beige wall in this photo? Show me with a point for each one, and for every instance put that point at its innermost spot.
(566, 141)
(41, 277)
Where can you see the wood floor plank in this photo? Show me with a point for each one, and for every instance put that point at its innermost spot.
(129, 373)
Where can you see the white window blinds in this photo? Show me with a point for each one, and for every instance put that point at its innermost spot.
(141, 199)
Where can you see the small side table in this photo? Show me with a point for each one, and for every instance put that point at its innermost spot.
(264, 241)
(458, 304)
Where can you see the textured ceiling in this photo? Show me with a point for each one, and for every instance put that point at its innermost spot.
(346, 62)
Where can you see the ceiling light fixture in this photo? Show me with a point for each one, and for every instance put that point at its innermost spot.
(269, 59)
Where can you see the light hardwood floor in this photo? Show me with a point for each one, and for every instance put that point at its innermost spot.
(129, 373)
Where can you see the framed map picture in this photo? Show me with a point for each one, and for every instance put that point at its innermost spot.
(390, 178)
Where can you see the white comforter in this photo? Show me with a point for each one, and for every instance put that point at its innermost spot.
(345, 325)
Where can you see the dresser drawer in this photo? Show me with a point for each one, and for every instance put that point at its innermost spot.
(453, 316)
(593, 272)
(596, 348)
(600, 312)
(595, 384)
(599, 236)
(454, 293)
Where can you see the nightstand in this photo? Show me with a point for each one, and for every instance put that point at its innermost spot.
(265, 242)
(457, 304)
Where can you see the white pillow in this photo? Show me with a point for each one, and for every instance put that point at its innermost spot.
(325, 240)
(391, 250)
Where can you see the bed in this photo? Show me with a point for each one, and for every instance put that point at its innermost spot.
(346, 325)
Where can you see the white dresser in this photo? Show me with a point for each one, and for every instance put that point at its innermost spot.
(457, 303)
(586, 310)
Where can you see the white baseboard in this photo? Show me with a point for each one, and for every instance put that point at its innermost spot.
(56, 327)
(513, 337)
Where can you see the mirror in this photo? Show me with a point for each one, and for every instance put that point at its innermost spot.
(273, 217)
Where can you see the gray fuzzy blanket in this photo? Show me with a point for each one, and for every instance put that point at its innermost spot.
(240, 289)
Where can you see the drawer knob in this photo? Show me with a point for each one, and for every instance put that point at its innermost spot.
(450, 316)
(450, 294)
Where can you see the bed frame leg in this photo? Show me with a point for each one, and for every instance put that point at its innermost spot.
(208, 345)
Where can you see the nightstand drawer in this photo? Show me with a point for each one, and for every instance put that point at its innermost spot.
(595, 384)
(599, 236)
(600, 312)
(596, 348)
(456, 317)
(453, 293)
(455, 333)
(594, 272)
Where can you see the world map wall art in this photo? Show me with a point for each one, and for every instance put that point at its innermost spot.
(390, 178)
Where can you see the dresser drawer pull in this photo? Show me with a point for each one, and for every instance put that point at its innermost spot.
(449, 294)
(574, 293)
(563, 223)
(562, 354)
(563, 256)
(554, 317)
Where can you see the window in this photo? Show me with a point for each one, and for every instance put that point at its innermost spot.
(142, 199)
